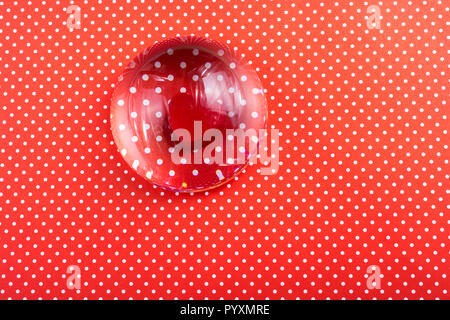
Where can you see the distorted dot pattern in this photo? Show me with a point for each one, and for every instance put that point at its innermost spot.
(183, 105)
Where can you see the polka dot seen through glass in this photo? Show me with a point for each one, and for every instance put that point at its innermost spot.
(192, 84)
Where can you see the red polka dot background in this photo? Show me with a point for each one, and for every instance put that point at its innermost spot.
(359, 97)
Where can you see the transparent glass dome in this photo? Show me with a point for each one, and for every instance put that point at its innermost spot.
(171, 103)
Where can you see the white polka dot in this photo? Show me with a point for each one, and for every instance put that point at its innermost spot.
(220, 174)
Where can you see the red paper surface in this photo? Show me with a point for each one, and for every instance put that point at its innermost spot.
(363, 177)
